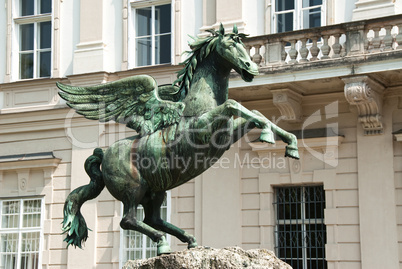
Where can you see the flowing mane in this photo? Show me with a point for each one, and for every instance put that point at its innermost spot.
(200, 49)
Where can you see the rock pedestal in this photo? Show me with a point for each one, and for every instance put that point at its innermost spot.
(210, 258)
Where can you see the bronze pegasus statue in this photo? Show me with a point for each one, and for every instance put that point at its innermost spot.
(186, 121)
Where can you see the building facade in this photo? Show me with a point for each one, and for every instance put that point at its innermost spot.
(330, 73)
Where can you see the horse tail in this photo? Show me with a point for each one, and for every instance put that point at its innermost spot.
(74, 224)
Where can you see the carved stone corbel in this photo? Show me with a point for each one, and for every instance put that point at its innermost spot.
(289, 104)
(366, 95)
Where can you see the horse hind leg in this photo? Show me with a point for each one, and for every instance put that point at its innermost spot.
(130, 222)
(153, 219)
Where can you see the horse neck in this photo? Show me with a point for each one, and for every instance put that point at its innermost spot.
(212, 76)
(209, 86)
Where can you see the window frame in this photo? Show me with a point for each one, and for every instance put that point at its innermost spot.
(303, 221)
(297, 14)
(144, 237)
(136, 4)
(35, 19)
(20, 230)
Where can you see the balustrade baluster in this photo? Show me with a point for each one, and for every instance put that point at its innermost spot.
(248, 49)
(283, 52)
(398, 38)
(325, 48)
(303, 51)
(388, 39)
(376, 41)
(257, 56)
(366, 41)
(314, 50)
(337, 47)
(293, 52)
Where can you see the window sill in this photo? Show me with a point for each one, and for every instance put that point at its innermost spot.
(30, 108)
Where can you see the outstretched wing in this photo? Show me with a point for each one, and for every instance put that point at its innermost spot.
(133, 101)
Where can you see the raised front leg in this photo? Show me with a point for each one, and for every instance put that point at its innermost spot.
(289, 138)
(232, 108)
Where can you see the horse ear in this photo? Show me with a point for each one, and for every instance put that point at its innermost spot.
(235, 30)
(222, 30)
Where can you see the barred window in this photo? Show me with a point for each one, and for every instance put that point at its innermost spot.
(300, 232)
(20, 233)
(136, 245)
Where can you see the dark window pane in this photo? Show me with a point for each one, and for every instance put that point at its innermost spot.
(143, 22)
(288, 203)
(312, 18)
(315, 202)
(310, 3)
(143, 51)
(316, 235)
(162, 49)
(290, 241)
(45, 35)
(44, 64)
(296, 264)
(162, 19)
(281, 5)
(26, 65)
(27, 7)
(284, 22)
(45, 6)
(26, 37)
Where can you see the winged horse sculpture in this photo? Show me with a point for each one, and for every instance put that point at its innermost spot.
(189, 120)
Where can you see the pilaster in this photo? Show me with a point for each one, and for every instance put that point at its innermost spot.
(376, 192)
(90, 53)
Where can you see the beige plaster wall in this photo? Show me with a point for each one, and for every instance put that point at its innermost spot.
(397, 125)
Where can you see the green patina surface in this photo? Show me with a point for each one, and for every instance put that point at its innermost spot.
(182, 129)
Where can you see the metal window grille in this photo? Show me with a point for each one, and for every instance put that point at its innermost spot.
(300, 232)
(20, 233)
(137, 245)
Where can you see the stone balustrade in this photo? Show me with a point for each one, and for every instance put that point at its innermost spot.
(328, 42)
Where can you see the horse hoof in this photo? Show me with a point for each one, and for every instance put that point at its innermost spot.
(267, 136)
(192, 244)
(163, 247)
(292, 152)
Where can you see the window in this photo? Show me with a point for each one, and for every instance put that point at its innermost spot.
(152, 33)
(20, 233)
(34, 34)
(136, 245)
(300, 232)
(290, 15)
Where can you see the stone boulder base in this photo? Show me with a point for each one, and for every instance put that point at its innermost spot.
(205, 258)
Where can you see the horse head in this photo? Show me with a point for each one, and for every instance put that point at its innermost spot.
(230, 48)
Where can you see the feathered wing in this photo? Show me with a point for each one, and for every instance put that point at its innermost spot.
(133, 101)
